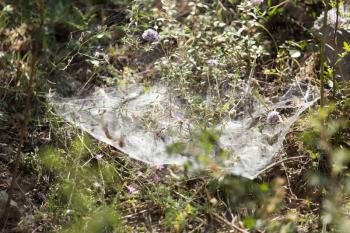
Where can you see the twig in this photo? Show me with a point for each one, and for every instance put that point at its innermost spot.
(230, 223)
(278, 162)
(280, 4)
(288, 182)
(197, 228)
(129, 216)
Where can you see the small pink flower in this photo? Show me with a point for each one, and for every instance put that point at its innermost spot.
(98, 156)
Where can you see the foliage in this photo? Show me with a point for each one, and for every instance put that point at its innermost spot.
(204, 49)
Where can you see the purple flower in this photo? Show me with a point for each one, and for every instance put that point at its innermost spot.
(132, 189)
(212, 62)
(256, 2)
(273, 117)
(150, 35)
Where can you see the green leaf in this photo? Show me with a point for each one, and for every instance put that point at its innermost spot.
(346, 47)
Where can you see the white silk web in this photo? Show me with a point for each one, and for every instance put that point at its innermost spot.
(143, 122)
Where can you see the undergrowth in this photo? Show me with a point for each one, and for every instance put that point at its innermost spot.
(204, 51)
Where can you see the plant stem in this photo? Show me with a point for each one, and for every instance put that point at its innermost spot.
(22, 134)
(322, 161)
(23, 122)
(335, 43)
(322, 52)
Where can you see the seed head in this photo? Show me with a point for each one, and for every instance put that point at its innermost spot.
(150, 35)
(273, 118)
